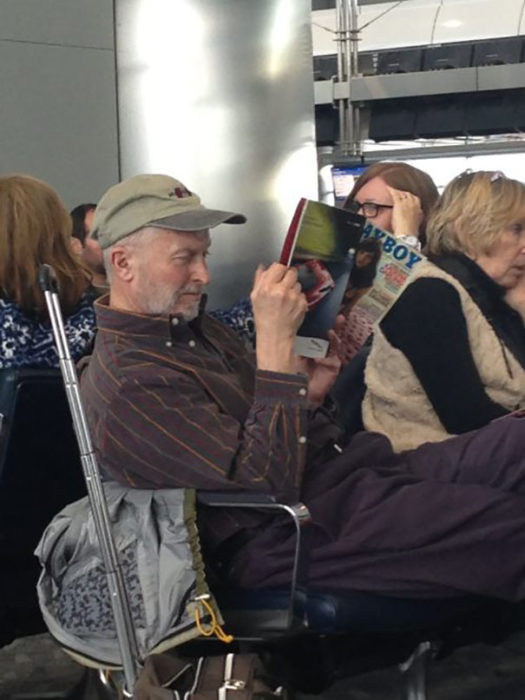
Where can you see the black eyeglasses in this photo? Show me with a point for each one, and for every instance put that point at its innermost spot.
(369, 209)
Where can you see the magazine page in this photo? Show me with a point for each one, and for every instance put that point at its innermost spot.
(382, 267)
(320, 243)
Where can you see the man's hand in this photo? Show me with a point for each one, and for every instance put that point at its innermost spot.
(322, 371)
(279, 307)
(407, 214)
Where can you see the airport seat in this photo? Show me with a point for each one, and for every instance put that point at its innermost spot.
(39, 474)
(309, 638)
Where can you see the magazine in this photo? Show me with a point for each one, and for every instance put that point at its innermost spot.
(320, 243)
(382, 267)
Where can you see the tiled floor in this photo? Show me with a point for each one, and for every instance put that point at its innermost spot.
(34, 667)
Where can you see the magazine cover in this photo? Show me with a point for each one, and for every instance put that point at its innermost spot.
(382, 267)
(320, 243)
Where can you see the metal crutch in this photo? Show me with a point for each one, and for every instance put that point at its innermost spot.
(117, 589)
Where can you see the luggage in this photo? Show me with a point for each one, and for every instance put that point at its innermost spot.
(231, 677)
(119, 601)
(224, 677)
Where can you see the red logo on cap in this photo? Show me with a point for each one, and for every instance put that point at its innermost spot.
(180, 192)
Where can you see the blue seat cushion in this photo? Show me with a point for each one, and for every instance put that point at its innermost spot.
(330, 612)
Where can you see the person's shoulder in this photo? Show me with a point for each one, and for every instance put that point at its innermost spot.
(240, 309)
(426, 299)
(424, 289)
(11, 308)
(221, 332)
(87, 300)
(239, 318)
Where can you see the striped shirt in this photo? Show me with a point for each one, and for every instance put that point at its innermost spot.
(176, 404)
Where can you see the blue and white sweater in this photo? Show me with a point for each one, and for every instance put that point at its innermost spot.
(27, 342)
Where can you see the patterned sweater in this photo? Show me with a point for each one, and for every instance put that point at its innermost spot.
(28, 342)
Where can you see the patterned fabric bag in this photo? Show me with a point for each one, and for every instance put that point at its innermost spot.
(157, 541)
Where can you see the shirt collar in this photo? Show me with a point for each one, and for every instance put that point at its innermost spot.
(172, 327)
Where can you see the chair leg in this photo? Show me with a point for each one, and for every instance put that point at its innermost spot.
(413, 672)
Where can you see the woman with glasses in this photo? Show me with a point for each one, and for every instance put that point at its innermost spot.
(449, 356)
(395, 197)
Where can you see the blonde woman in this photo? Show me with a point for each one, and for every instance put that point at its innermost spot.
(35, 228)
(449, 357)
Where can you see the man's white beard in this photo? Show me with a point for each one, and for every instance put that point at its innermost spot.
(159, 300)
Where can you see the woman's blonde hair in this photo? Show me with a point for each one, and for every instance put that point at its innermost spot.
(35, 228)
(472, 211)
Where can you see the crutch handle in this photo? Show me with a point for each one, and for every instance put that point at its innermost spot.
(48, 279)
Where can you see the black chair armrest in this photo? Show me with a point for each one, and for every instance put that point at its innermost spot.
(300, 516)
(233, 498)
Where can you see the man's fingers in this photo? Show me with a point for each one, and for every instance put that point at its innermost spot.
(290, 278)
(334, 344)
(258, 274)
(340, 322)
(269, 277)
(275, 273)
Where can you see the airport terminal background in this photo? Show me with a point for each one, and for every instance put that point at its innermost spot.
(93, 91)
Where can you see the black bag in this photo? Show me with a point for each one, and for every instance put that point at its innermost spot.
(232, 677)
(225, 677)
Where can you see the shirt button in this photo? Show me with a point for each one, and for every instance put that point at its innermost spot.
(302, 439)
(174, 321)
(192, 343)
(302, 391)
(169, 343)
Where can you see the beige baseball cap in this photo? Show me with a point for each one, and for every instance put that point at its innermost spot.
(153, 200)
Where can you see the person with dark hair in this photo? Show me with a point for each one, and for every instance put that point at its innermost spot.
(35, 228)
(396, 197)
(82, 217)
(366, 258)
(86, 247)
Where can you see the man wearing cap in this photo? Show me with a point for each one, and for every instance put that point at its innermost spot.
(173, 399)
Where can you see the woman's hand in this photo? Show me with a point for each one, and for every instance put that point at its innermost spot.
(407, 214)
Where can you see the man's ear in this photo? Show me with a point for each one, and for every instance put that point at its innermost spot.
(76, 245)
(123, 263)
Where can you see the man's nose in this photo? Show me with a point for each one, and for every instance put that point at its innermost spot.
(200, 272)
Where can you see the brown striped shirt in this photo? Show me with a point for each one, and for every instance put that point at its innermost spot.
(175, 404)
